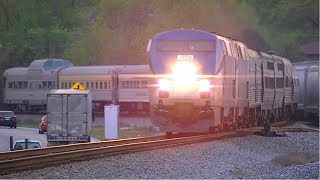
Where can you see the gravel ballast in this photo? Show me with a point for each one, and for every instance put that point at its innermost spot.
(242, 157)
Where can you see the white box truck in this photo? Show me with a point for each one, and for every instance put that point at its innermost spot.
(69, 115)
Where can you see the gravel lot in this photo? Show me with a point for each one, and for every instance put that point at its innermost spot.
(244, 157)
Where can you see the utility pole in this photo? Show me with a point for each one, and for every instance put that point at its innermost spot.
(115, 86)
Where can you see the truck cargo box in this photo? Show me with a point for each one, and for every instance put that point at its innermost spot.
(69, 115)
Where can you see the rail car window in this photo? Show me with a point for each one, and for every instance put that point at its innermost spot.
(171, 45)
(279, 83)
(270, 66)
(280, 67)
(49, 85)
(10, 85)
(101, 86)
(92, 85)
(44, 85)
(96, 85)
(69, 85)
(269, 82)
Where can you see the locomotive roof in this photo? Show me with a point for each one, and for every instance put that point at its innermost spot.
(185, 34)
(120, 69)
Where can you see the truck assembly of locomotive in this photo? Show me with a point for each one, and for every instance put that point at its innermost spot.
(207, 82)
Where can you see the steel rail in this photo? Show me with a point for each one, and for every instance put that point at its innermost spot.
(44, 160)
(38, 158)
(71, 147)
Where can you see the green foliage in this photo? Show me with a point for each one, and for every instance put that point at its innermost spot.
(93, 32)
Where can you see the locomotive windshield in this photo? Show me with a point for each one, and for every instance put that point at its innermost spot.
(172, 45)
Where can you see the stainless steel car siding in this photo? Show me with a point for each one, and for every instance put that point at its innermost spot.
(301, 73)
(312, 89)
(33, 95)
(96, 74)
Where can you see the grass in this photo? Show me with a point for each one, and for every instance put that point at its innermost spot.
(28, 123)
(98, 131)
(295, 159)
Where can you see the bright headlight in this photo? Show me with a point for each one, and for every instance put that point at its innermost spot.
(164, 84)
(204, 85)
(184, 72)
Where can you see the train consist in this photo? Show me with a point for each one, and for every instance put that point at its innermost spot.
(308, 104)
(206, 82)
(26, 88)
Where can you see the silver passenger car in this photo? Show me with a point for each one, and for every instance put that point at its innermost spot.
(26, 88)
(133, 94)
(311, 101)
(301, 68)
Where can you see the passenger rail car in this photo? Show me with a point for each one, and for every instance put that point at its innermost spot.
(26, 88)
(308, 73)
(133, 94)
(207, 82)
(308, 104)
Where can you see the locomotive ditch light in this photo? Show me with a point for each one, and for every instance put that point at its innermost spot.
(184, 72)
(204, 95)
(204, 85)
(163, 94)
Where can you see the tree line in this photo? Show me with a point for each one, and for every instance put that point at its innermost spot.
(104, 32)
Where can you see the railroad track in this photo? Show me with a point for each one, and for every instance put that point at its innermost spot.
(16, 161)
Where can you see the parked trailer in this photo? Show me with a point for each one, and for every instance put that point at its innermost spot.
(69, 115)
